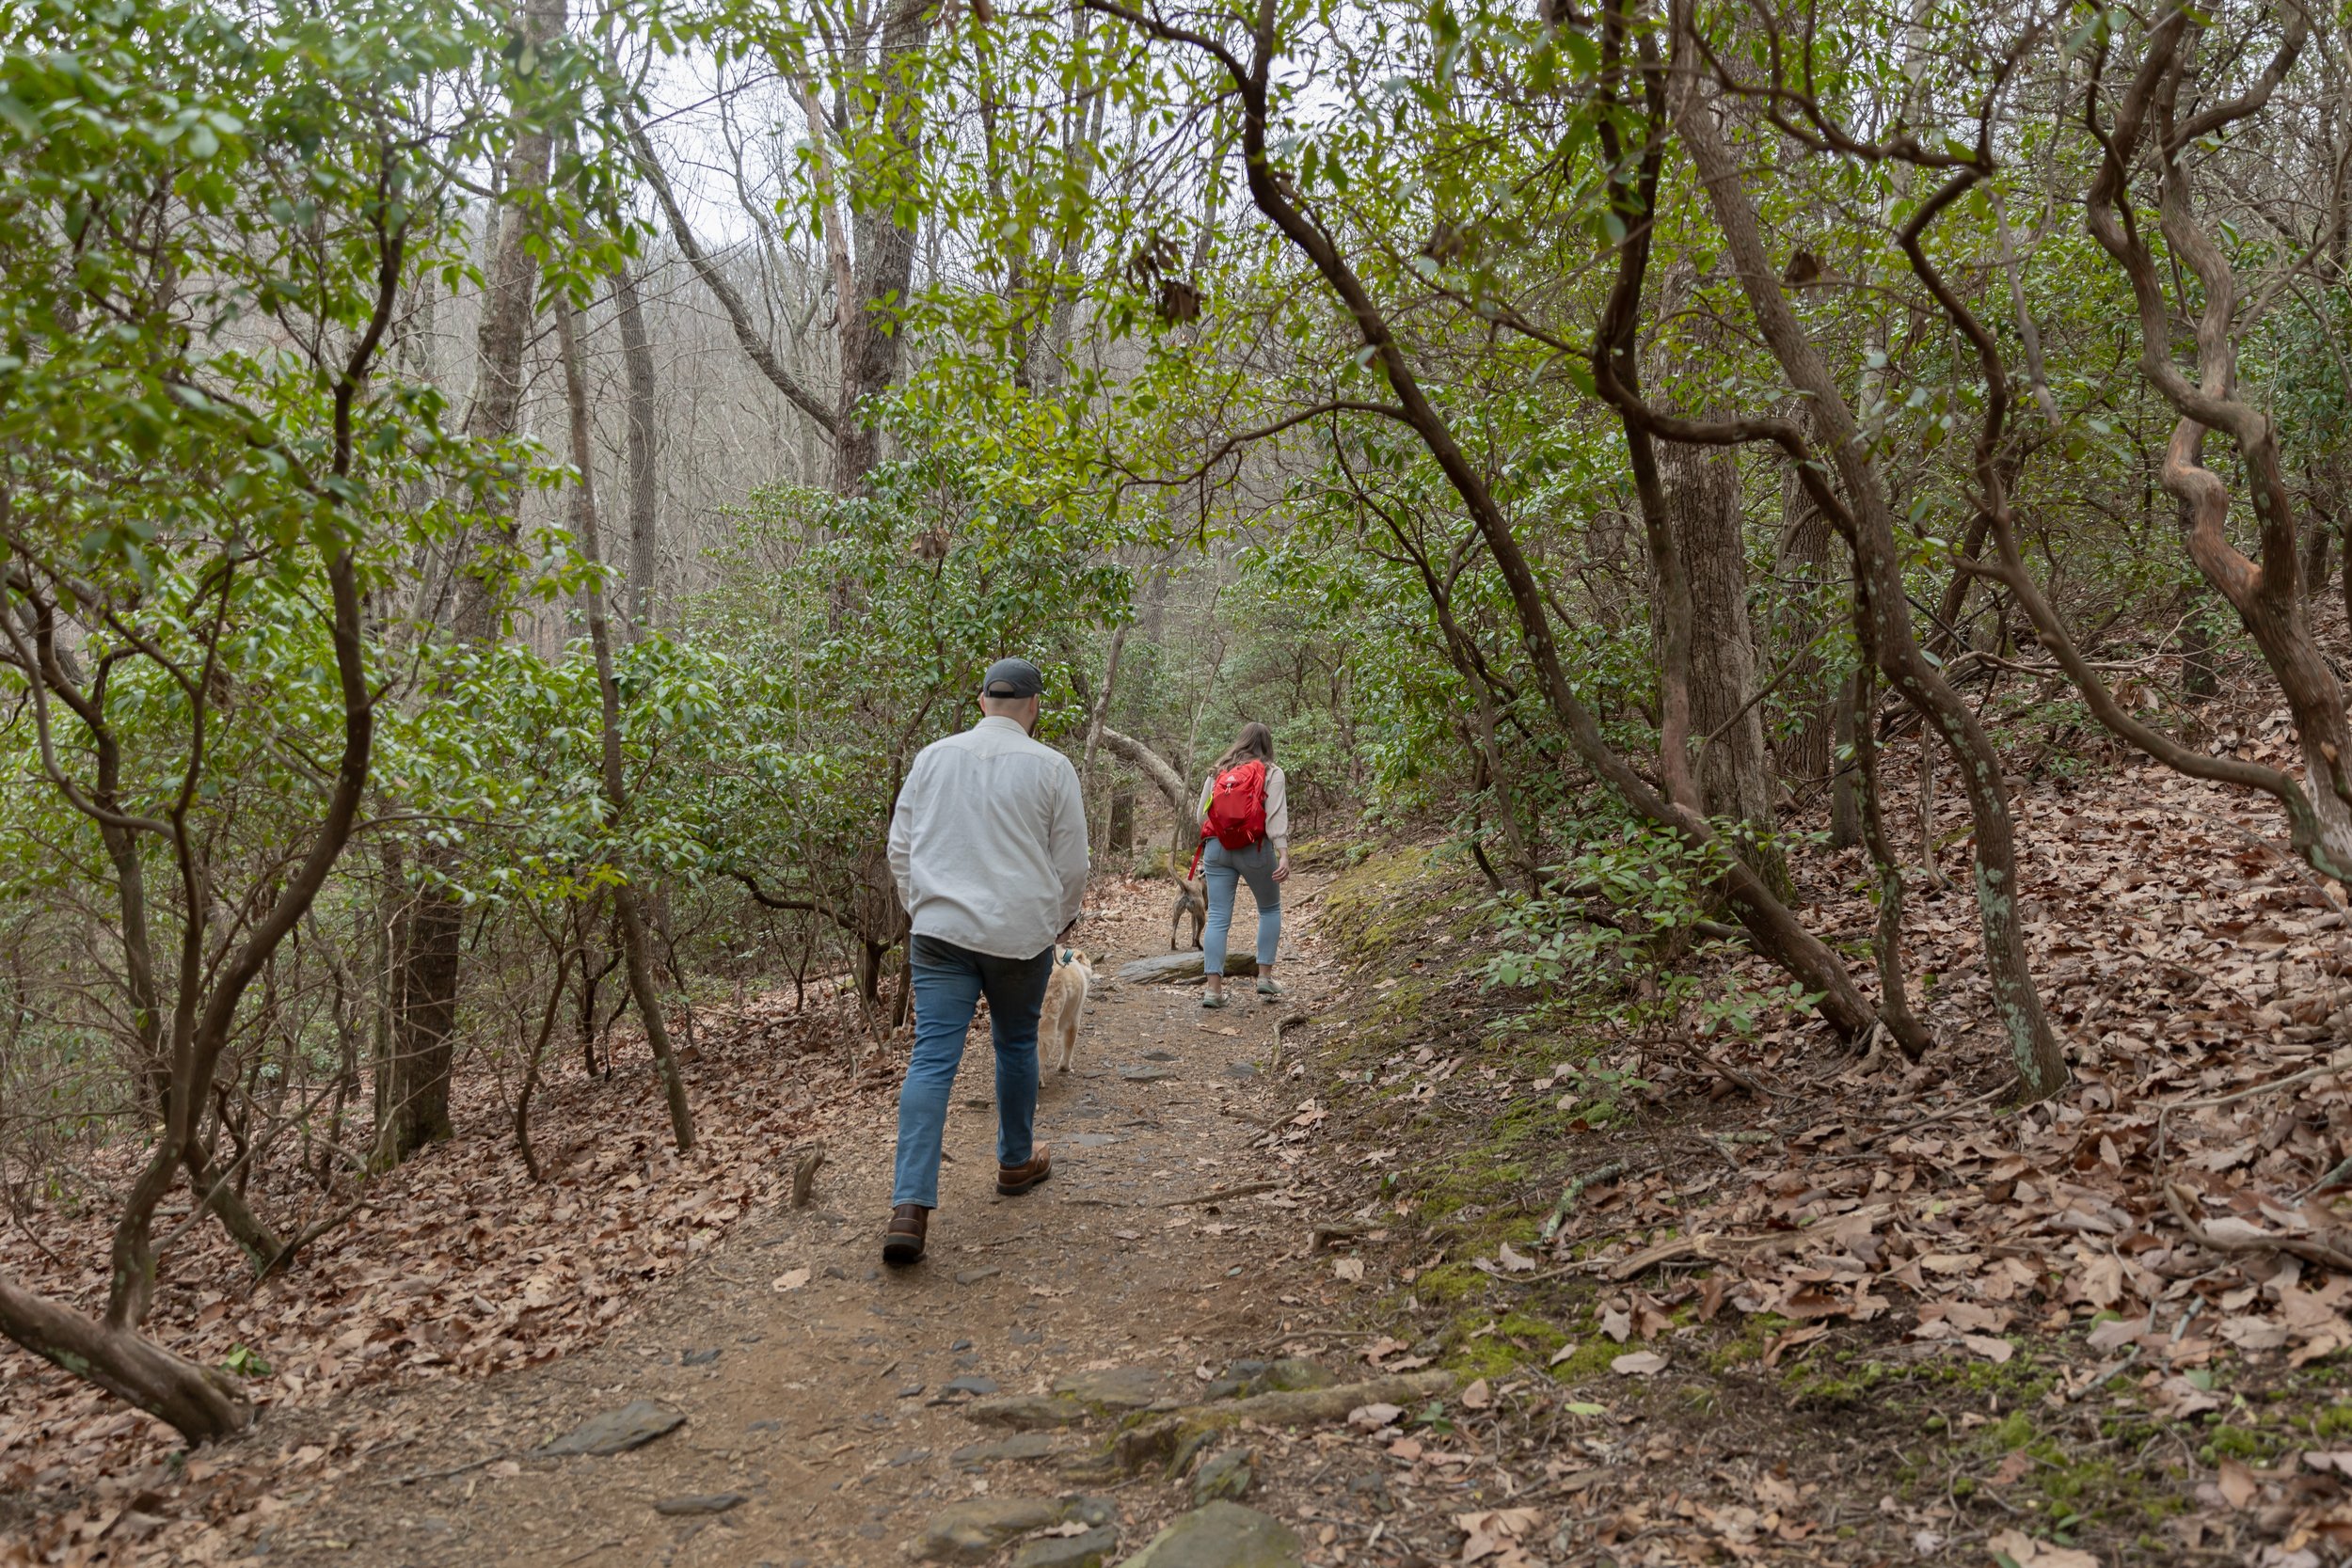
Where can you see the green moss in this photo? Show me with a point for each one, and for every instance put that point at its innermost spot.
(2333, 1421)
(1538, 1335)
(2225, 1441)
(1382, 901)
(1486, 1357)
(1450, 1282)
(1590, 1360)
(2012, 1433)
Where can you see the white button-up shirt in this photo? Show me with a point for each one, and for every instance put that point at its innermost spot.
(987, 844)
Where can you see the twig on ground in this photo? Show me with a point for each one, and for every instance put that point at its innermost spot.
(1575, 1190)
(2305, 1247)
(2339, 1062)
(2319, 884)
(452, 1470)
(1734, 1077)
(2327, 1180)
(1945, 1115)
(1244, 1190)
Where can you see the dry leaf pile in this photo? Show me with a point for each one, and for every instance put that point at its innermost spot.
(459, 1265)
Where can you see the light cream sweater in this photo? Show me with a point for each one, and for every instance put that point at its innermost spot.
(989, 843)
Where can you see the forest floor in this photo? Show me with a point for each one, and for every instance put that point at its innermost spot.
(1794, 1308)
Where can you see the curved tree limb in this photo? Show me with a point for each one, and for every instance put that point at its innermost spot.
(757, 347)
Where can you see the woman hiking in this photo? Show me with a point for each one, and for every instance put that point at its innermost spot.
(1244, 835)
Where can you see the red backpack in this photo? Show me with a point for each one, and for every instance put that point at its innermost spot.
(1236, 815)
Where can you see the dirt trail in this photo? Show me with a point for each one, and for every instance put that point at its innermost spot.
(823, 1388)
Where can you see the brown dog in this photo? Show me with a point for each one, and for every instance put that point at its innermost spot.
(1192, 898)
(1065, 1005)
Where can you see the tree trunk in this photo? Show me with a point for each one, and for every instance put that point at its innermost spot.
(1102, 704)
(430, 956)
(1779, 936)
(1878, 565)
(886, 252)
(1149, 763)
(1910, 1036)
(1702, 488)
(1802, 615)
(2265, 595)
(634, 945)
(1845, 804)
(201, 1404)
(645, 500)
(425, 1014)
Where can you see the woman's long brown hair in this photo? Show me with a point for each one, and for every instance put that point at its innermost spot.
(1255, 741)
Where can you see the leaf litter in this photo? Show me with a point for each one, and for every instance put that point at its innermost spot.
(2160, 1243)
(461, 1266)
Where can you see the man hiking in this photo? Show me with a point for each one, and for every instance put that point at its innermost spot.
(988, 845)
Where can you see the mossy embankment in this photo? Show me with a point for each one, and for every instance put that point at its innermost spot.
(1474, 1108)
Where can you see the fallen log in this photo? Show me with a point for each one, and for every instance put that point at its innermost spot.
(1173, 1439)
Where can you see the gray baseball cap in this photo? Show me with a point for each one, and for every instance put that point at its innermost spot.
(1012, 677)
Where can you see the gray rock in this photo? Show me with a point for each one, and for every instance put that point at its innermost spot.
(972, 1277)
(698, 1358)
(1151, 1074)
(696, 1504)
(1228, 1476)
(1241, 1069)
(1167, 968)
(1068, 1551)
(1159, 1056)
(1090, 1511)
(973, 1529)
(1222, 1535)
(1022, 1446)
(632, 1426)
(1027, 1411)
(1092, 1467)
(968, 1384)
(1112, 1388)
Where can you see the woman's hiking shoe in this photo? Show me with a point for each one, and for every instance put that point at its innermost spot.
(1270, 987)
(1208, 1000)
(1012, 1181)
(903, 1243)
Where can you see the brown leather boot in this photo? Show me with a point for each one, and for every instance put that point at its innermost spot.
(903, 1243)
(1012, 1181)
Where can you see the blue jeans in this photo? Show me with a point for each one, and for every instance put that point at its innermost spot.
(1224, 868)
(950, 982)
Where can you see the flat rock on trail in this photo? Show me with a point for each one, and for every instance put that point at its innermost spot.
(850, 1405)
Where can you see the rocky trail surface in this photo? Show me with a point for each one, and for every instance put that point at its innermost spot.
(791, 1401)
